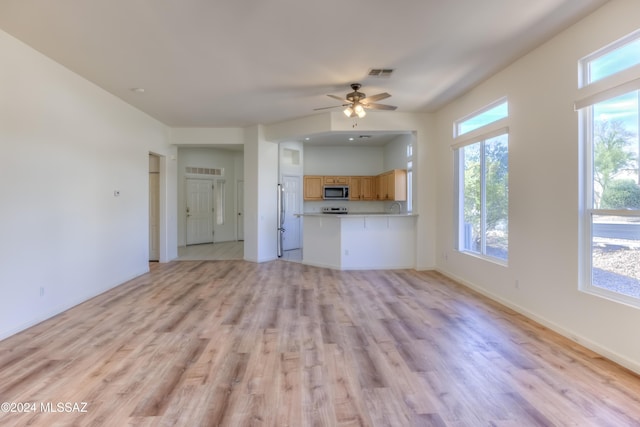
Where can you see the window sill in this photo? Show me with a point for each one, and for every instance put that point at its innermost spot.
(611, 295)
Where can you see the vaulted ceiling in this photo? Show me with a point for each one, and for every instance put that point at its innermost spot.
(218, 63)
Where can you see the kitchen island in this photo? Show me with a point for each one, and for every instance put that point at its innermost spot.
(359, 241)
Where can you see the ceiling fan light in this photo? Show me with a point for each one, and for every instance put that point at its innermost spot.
(359, 110)
(348, 112)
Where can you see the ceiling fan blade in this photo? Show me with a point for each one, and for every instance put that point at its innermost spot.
(375, 106)
(374, 98)
(326, 108)
(337, 97)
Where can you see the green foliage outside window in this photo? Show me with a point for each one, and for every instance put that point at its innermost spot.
(494, 199)
(610, 155)
(621, 194)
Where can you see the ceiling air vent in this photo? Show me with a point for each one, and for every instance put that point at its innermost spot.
(380, 72)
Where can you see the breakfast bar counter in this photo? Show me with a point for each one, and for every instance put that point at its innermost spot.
(359, 241)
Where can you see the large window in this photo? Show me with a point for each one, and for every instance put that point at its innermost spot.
(482, 174)
(611, 214)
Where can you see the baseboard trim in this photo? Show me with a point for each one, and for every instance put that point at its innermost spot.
(567, 333)
(60, 309)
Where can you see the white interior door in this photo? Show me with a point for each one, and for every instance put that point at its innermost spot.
(240, 203)
(292, 205)
(199, 211)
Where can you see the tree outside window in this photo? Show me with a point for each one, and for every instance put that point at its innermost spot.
(485, 197)
(613, 159)
(615, 198)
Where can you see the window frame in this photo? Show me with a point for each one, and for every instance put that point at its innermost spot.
(460, 171)
(607, 87)
(584, 70)
(480, 135)
(458, 123)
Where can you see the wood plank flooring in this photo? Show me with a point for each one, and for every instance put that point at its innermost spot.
(212, 251)
(233, 343)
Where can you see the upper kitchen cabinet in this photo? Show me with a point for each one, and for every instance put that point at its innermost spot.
(362, 188)
(336, 180)
(392, 185)
(313, 187)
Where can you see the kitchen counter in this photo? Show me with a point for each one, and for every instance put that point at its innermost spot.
(359, 240)
(355, 214)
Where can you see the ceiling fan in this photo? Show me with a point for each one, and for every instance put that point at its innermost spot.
(356, 102)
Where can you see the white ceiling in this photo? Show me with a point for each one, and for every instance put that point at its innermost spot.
(216, 63)
(351, 139)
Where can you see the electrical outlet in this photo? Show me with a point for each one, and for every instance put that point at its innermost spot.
(41, 291)
(517, 284)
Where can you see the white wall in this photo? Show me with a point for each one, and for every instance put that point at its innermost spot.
(206, 157)
(260, 201)
(207, 136)
(395, 152)
(291, 158)
(360, 160)
(67, 145)
(543, 190)
(395, 157)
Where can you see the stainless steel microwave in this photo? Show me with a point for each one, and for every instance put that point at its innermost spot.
(335, 192)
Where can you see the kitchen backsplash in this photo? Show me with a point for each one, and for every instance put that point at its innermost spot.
(352, 206)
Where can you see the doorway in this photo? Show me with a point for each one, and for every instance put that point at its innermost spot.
(154, 207)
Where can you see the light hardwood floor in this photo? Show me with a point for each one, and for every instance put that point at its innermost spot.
(207, 343)
(212, 251)
(225, 250)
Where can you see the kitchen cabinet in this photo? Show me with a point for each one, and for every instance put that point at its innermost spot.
(336, 180)
(392, 185)
(313, 187)
(362, 188)
(381, 187)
